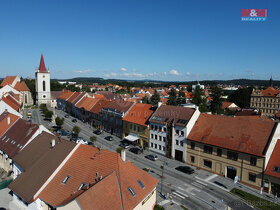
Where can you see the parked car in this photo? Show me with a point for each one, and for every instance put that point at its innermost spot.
(124, 145)
(74, 120)
(135, 150)
(66, 116)
(220, 184)
(90, 143)
(185, 169)
(80, 139)
(109, 138)
(152, 157)
(97, 132)
(146, 169)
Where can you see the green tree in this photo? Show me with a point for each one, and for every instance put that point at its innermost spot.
(155, 98)
(216, 103)
(241, 97)
(93, 139)
(198, 96)
(76, 130)
(172, 98)
(31, 85)
(145, 100)
(203, 107)
(181, 99)
(48, 114)
(119, 150)
(59, 121)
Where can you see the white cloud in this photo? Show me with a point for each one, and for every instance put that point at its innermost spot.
(123, 69)
(188, 73)
(174, 72)
(164, 73)
(135, 75)
(112, 74)
(83, 71)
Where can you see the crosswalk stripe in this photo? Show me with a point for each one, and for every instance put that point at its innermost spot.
(177, 194)
(201, 182)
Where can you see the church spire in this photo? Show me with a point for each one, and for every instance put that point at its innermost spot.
(42, 67)
(271, 82)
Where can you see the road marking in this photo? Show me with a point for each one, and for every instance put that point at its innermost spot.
(180, 188)
(182, 193)
(200, 182)
(164, 202)
(180, 196)
(211, 177)
(213, 184)
(200, 186)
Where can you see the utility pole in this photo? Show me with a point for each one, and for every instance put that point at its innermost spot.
(162, 167)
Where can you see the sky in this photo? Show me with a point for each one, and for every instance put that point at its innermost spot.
(169, 40)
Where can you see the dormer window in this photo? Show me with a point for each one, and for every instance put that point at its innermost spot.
(65, 180)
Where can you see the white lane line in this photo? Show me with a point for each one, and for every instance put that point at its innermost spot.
(197, 185)
(182, 193)
(164, 202)
(201, 183)
(211, 177)
(213, 184)
(177, 194)
(180, 188)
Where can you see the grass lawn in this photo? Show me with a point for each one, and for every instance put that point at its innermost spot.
(255, 201)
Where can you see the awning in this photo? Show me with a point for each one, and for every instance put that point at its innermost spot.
(131, 138)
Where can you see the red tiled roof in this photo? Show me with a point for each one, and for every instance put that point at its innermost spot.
(11, 102)
(78, 98)
(119, 105)
(73, 97)
(83, 167)
(4, 126)
(99, 96)
(42, 67)
(139, 114)
(87, 103)
(65, 95)
(21, 86)
(226, 104)
(221, 131)
(8, 80)
(97, 108)
(270, 91)
(274, 162)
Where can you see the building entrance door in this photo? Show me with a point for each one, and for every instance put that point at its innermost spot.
(231, 172)
(178, 155)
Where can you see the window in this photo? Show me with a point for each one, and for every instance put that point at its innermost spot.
(160, 138)
(208, 163)
(182, 133)
(44, 86)
(135, 127)
(253, 161)
(219, 152)
(82, 185)
(4, 138)
(177, 142)
(156, 137)
(192, 159)
(131, 191)
(177, 132)
(155, 127)
(131, 126)
(65, 180)
(155, 146)
(160, 128)
(192, 145)
(138, 128)
(7, 140)
(152, 145)
(164, 129)
(141, 184)
(159, 147)
(181, 143)
(152, 136)
(208, 149)
(276, 169)
(164, 139)
(163, 148)
(252, 177)
(152, 127)
(232, 155)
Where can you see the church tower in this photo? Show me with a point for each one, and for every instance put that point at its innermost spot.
(43, 84)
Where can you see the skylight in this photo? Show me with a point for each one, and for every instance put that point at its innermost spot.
(82, 185)
(7, 140)
(131, 191)
(182, 121)
(4, 138)
(141, 184)
(65, 180)
(276, 169)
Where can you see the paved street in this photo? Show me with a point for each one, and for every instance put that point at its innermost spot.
(194, 191)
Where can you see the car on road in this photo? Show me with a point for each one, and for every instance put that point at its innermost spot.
(124, 145)
(29, 115)
(80, 139)
(135, 150)
(152, 157)
(63, 132)
(67, 115)
(74, 120)
(109, 138)
(185, 169)
(97, 132)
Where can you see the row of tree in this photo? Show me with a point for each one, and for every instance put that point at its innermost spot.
(47, 113)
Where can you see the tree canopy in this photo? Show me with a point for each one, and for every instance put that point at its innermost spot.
(155, 98)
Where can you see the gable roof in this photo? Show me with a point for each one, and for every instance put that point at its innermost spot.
(79, 97)
(270, 91)
(19, 134)
(178, 114)
(97, 108)
(274, 162)
(119, 105)
(109, 95)
(39, 161)
(139, 114)
(87, 103)
(6, 121)
(11, 102)
(42, 67)
(65, 95)
(217, 130)
(55, 94)
(21, 86)
(226, 104)
(8, 80)
(73, 97)
(83, 167)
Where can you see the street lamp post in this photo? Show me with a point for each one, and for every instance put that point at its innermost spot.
(161, 184)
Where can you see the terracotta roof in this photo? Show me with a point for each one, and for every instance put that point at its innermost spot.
(99, 96)
(274, 162)
(226, 104)
(246, 112)
(252, 136)
(78, 98)
(83, 167)
(109, 95)
(11, 102)
(8, 80)
(4, 126)
(139, 114)
(87, 103)
(55, 94)
(178, 114)
(21, 86)
(119, 105)
(16, 96)
(97, 108)
(65, 95)
(39, 161)
(42, 67)
(19, 134)
(73, 97)
(270, 91)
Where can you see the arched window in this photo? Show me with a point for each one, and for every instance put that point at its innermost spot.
(44, 86)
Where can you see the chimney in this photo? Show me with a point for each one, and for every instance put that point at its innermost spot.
(8, 120)
(123, 155)
(52, 143)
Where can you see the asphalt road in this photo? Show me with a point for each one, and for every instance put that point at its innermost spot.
(184, 189)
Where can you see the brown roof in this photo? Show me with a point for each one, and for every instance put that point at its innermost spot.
(226, 104)
(11, 102)
(274, 162)
(21, 86)
(97, 108)
(19, 134)
(65, 95)
(119, 105)
(39, 161)
(252, 136)
(83, 166)
(139, 114)
(55, 94)
(73, 97)
(178, 114)
(270, 91)
(247, 112)
(109, 95)
(79, 97)
(4, 126)
(87, 103)
(8, 80)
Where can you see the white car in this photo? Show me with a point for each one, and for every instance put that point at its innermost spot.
(82, 141)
